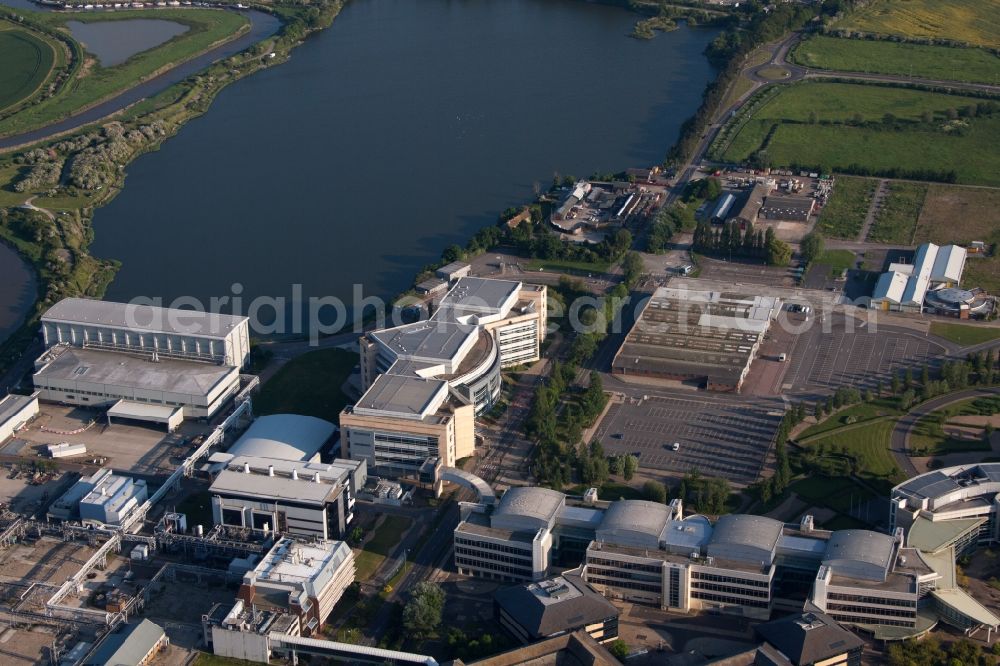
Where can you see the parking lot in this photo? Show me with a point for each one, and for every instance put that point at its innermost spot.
(726, 438)
(860, 358)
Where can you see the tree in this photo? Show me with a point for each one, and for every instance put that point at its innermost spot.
(619, 649)
(779, 253)
(452, 253)
(356, 534)
(632, 268)
(811, 246)
(422, 613)
(631, 465)
(654, 491)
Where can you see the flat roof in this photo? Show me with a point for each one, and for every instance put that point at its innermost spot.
(483, 295)
(478, 525)
(402, 395)
(291, 561)
(142, 317)
(72, 364)
(933, 535)
(272, 487)
(13, 404)
(428, 340)
(143, 411)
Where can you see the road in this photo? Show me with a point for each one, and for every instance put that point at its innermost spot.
(262, 26)
(900, 440)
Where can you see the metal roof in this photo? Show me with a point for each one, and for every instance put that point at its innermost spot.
(284, 436)
(948, 264)
(963, 604)
(859, 546)
(13, 404)
(128, 646)
(931, 536)
(890, 287)
(746, 530)
(87, 366)
(638, 516)
(136, 317)
(540, 503)
(273, 488)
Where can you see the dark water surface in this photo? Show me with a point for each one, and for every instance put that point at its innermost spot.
(114, 42)
(402, 128)
(18, 291)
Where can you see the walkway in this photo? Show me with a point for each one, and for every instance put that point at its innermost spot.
(873, 208)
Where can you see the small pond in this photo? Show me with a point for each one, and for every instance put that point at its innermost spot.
(114, 42)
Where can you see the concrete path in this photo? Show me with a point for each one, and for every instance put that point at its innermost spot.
(881, 192)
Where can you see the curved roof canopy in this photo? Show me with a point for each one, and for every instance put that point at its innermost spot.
(285, 437)
(533, 504)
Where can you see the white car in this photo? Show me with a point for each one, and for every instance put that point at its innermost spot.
(676, 446)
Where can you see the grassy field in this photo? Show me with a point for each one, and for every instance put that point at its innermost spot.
(953, 214)
(868, 449)
(783, 127)
(742, 85)
(896, 221)
(861, 412)
(309, 385)
(844, 214)
(964, 334)
(95, 83)
(920, 60)
(928, 437)
(837, 260)
(27, 62)
(837, 493)
(387, 537)
(972, 21)
(609, 491)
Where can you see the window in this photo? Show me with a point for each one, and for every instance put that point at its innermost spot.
(232, 517)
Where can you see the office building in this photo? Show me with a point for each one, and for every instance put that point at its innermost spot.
(685, 334)
(146, 329)
(809, 639)
(424, 383)
(555, 607)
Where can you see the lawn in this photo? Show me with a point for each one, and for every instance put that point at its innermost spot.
(964, 334)
(95, 83)
(953, 214)
(742, 85)
(837, 493)
(972, 21)
(609, 491)
(309, 385)
(843, 126)
(844, 214)
(881, 57)
(861, 412)
(387, 537)
(867, 447)
(838, 261)
(896, 221)
(929, 438)
(27, 61)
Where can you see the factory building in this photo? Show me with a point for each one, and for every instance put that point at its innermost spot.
(16, 411)
(707, 337)
(272, 479)
(904, 287)
(304, 579)
(105, 498)
(787, 208)
(146, 329)
(743, 565)
(424, 383)
(163, 390)
(133, 645)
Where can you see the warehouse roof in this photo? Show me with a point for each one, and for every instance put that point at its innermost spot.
(556, 605)
(130, 645)
(14, 404)
(284, 436)
(72, 364)
(890, 287)
(142, 317)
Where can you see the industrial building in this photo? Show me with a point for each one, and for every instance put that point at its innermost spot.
(272, 479)
(649, 553)
(453, 271)
(690, 335)
(132, 645)
(783, 208)
(555, 607)
(16, 411)
(904, 287)
(165, 391)
(304, 579)
(146, 329)
(105, 498)
(424, 383)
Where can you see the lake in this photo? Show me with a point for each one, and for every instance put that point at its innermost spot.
(404, 127)
(18, 291)
(114, 42)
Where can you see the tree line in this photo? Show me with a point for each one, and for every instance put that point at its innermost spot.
(730, 240)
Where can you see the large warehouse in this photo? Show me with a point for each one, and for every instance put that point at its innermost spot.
(145, 329)
(165, 390)
(424, 383)
(708, 337)
(744, 565)
(905, 287)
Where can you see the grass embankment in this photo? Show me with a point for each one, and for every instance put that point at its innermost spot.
(838, 261)
(742, 85)
(971, 21)
(93, 83)
(859, 413)
(387, 536)
(28, 60)
(929, 436)
(964, 334)
(844, 214)
(953, 214)
(862, 451)
(846, 127)
(896, 221)
(840, 494)
(309, 385)
(943, 63)
(609, 491)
